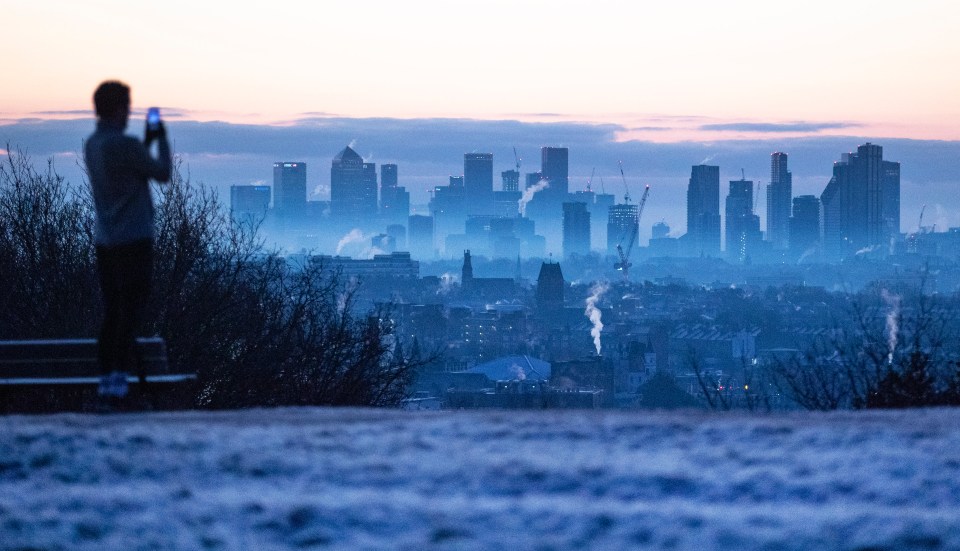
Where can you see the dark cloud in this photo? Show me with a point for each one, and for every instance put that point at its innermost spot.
(792, 127)
(429, 150)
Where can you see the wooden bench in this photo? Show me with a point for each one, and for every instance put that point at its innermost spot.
(62, 374)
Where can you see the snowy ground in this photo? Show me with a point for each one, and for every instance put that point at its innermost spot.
(374, 479)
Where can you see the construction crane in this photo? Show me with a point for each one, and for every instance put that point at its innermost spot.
(626, 193)
(517, 159)
(624, 264)
(590, 181)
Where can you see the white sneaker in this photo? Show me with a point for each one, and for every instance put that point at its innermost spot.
(113, 385)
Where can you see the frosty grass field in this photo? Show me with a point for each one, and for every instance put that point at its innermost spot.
(384, 479)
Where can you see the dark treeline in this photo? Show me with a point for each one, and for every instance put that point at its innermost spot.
(257, 330)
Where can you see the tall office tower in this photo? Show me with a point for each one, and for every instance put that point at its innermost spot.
(660, 230)
(703, 211)
(621, 224)
(398, 232)
(805, 226)
(891, 198)
(478, 182)
(289, 189)
(448, 209)
(861, 203)
(511, 180)
(394, 199)
(598, 219)
(779, 195)
(249, 204)
(533, 178)
(743, 226)
(576, 229)
(353, 186)
(420, 236)
(555, 170)
(388, 175)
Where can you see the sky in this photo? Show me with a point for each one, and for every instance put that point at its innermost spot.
(700, 78)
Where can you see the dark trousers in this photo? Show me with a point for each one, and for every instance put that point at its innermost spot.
(125, 272)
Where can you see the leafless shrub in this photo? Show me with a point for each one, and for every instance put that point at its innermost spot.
(257, 329)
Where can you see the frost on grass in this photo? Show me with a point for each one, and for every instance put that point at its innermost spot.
(374, 479)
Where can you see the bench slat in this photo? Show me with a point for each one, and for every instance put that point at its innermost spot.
(70, 358)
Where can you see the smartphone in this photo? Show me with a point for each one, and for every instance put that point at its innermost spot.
(153, 118)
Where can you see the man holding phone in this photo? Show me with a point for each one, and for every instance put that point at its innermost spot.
(119, 168)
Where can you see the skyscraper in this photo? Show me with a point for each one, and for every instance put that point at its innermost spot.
(353, 186)
(388, 175)
(555, 169)
(394, 199)
(511, 180)
(478, 182)
(420, 232)
(805, 225)
(621, 224)
(743, 226)
(289, 189)
(861, 203)
(249, 203)
(576, 229)
(779, 195)
(703, 211)
(448, 209)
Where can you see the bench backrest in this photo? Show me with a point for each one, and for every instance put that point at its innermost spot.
(63, 358)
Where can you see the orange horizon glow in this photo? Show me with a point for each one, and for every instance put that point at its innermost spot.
(658, 71)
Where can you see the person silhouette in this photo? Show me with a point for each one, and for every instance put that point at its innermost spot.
(119, 168)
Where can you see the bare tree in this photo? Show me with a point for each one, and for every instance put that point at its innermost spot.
(46, 253)
(891, 350)
(257, 329)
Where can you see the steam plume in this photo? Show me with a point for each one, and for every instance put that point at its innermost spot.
(592, 312)
(893, 322)
(355, 236)
(446, 283)
(806, 254)
(529, 193)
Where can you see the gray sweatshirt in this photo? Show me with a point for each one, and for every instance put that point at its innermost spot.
(118, 167)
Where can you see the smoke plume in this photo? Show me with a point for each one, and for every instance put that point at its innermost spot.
(893, 322)
(529, 193)
(592, 312)
(446, 283)
(355, 236)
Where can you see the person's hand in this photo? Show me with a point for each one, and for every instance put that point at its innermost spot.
(159, 132)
